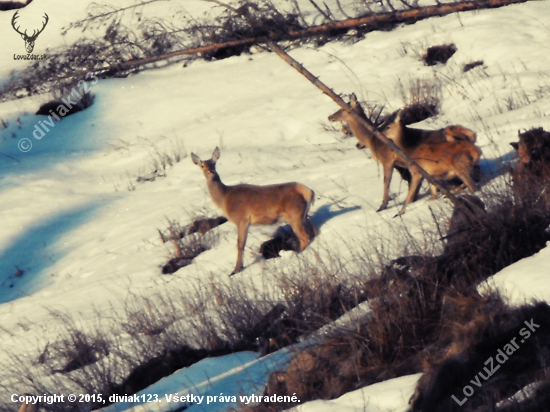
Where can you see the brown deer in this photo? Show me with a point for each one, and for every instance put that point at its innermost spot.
(405, 136)
(246, 205)
(395, 129)
(438, 156)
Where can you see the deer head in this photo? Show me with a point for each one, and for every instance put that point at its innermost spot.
(29, 40)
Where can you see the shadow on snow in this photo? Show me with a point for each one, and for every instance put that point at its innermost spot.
(34, 250)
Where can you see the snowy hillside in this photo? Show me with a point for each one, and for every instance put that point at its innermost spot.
(80, 235)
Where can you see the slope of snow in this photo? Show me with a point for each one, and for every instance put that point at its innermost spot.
(75, 239)
(391, 395)
(523, 282)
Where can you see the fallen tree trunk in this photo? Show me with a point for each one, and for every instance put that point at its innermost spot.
(370, 22)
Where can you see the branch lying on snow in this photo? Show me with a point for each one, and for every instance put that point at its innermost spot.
(123, 50)
(371, 22)
(380, 136)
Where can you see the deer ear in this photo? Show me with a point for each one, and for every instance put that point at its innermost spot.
(195, 158)
(216, 155)
(398, 116)
(23, 36)
(515, 145)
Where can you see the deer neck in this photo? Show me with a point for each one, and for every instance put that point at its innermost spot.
(217, 190)
(362, 134)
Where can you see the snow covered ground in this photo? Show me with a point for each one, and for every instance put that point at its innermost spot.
(392, 395)
(75, 239)
(524, 281)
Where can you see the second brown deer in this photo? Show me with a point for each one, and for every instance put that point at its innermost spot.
(444, 154)
(246, 205)
(403, 136)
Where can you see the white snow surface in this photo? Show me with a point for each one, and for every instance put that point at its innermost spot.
(85, 243)
(523, 282)
(391, 395)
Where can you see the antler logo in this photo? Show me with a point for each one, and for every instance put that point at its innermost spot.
(29, 40)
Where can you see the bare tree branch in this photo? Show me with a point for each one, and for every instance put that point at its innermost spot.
(227, 6)
(342, 9)
(376, 20)
(320, 10)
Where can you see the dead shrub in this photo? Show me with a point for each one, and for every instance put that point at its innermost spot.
(312, 297)
(493, 239)
(185, 253)
(75, 349)
(160, 161)
(57, 109)
(419, 111)
(78, 358)
(439, 54)
(347, 360)
(202, 226)
(420, 98)
(251, 20)
(81, 350)
(460, 222)
(188, 246)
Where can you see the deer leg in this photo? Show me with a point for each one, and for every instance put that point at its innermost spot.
(242, 231)
(415, 193)
(303, 236)
(416, 179)
(311, 230)
(465, 173)
(433, 191)
(458, 189)
(297, 218)
(388, 170)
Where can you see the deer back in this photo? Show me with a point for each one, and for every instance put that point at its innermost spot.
(264, 204)
(437, 158)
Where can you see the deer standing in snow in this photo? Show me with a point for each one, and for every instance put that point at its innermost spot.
(246, 205)
(444, 154)
(405, 136)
